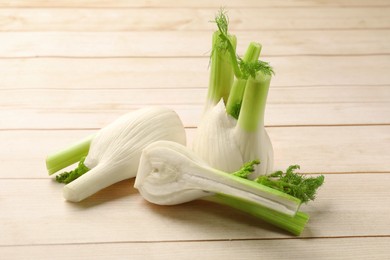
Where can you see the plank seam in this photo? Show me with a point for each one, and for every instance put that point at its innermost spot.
(196, 241)
(194, 127)
(344, 6)
(204, 87)
(199, 30)
(183, 57)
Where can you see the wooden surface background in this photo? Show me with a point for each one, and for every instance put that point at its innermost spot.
(68, 68)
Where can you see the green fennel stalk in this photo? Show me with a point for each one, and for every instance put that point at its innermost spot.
(293, 224)
(243, 69)
(252, 111)
(289, 182)
(221, 72)
(234, 102)
(68, 156)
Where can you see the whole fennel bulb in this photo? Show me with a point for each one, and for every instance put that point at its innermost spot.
(115, 150)
(229, 136)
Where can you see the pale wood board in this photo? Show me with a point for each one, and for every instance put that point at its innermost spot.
(186, 72)
(190, 4)
(68, 68)
(119, 214)
(346, 149)
(78, 98)
(192, 19)
(277, 115)
(93, 108)
(340, 248)
(191, 44)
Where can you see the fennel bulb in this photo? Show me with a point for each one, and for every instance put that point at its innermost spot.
(170, 174)
(115, 150)
(229, 136)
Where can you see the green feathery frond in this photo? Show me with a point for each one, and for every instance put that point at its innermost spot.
(67, 177)
(249, 69)
(294, 184)
(225, 44)
(246, 169)
(222, 22)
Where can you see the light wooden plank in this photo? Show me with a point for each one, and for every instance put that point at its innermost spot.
(333, 149)
(191, 19)
(316, 149)
(100, 98)
(276, 115)
(34, 212)
(90, 108)
(198, 3)
(111, 73)
(34, 219)
(340, 248)
(189, 44)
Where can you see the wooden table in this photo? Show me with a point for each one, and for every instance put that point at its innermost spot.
(68, 68)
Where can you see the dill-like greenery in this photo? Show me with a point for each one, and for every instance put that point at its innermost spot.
(225, 44)
(67, 177)
(222, 21)
(294, 184)
(249, 69)
(289, 182)
(246, 169)
(242, 69)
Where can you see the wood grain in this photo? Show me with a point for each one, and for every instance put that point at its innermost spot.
(287, 106)
(74, 98)
(189, 4)
(119, 214)
(192, 19)
(347, 248)
(69, 67)
(345, 114)
(113, 73)
(346, 149)
(190, 44)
